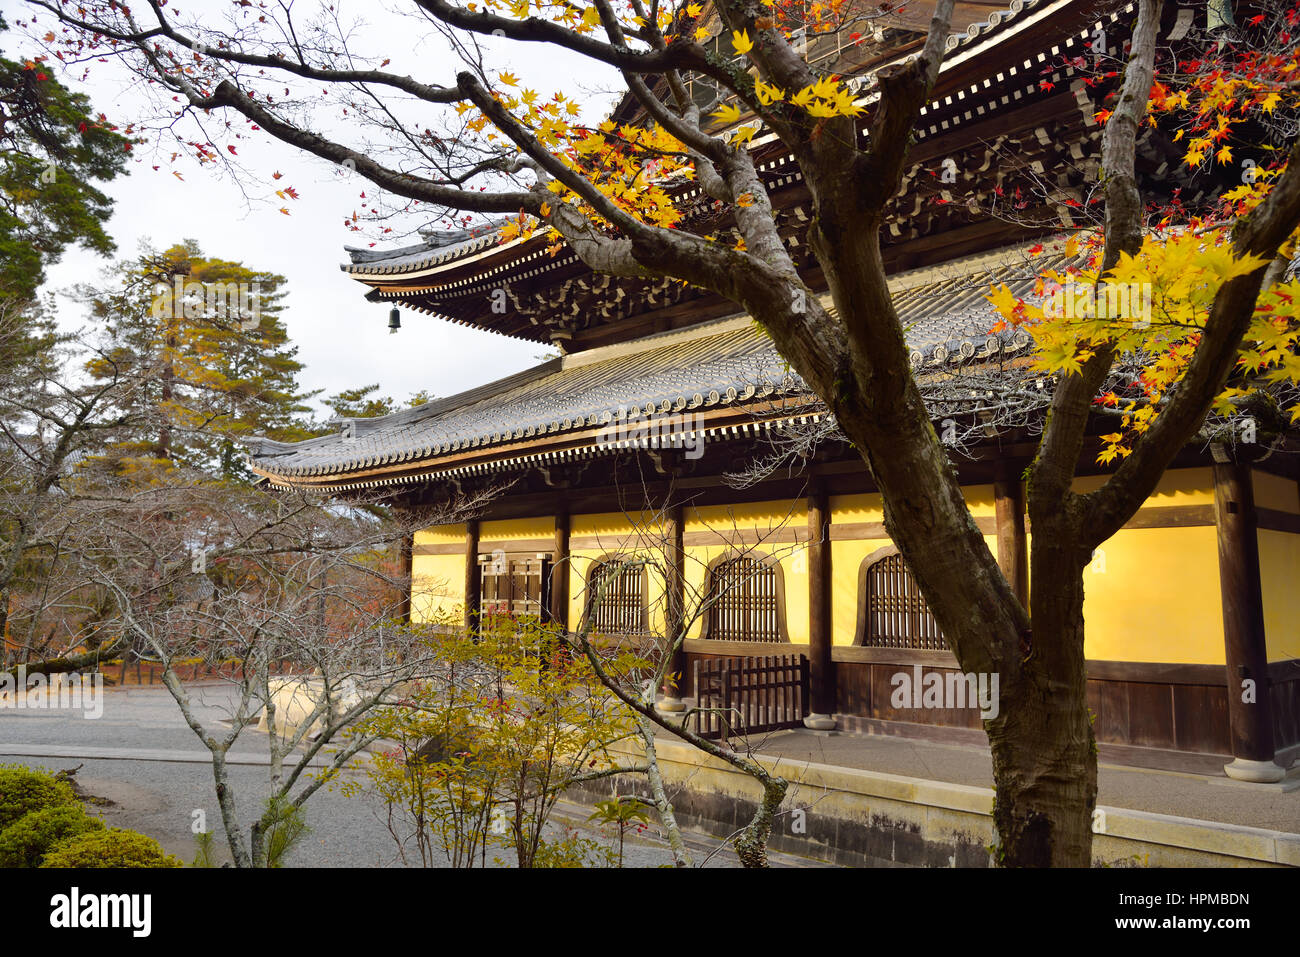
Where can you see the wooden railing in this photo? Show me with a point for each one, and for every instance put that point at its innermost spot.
(742, 696)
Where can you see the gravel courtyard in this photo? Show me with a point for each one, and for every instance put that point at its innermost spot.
(141, 756)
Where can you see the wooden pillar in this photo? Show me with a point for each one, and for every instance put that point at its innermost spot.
(674, 603)
(1013, 550)
(1249, 713)
(473, 581)
(821, 667)
(408, 569)
(560, 571)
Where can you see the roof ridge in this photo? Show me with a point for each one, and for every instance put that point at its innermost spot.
(973, 265)
(699, 330)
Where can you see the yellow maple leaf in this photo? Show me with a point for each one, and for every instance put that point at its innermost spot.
(844, 104)
(509, 79)
(1003, 300)
(727, 113)
(768, 94)
(1224, 155)
(741, 42)
(824, 88)
(693, 10)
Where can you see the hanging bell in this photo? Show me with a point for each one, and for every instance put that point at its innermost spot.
(394, 321)
(1218, 15)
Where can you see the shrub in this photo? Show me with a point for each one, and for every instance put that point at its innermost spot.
(25, 842)
(23, 790)
(110, 848)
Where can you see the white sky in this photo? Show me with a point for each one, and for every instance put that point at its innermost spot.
(343, 340)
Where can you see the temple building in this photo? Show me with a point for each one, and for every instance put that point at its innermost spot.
(670, 426)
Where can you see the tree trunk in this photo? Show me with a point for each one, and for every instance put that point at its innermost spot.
(1044, 749)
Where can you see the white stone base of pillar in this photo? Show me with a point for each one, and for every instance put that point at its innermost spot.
(670, 705)
(819, 722)
(1257, 772)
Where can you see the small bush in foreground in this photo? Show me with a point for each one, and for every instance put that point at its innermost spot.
(23, 790)
(26, 842)
(110, 848)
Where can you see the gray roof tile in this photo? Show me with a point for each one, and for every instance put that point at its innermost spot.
(944, 314)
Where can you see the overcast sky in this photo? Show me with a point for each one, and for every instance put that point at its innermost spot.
(343, 340)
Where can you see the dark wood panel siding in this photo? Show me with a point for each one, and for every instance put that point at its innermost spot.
(1175, 717)
(1286, 703)
(1200, 718)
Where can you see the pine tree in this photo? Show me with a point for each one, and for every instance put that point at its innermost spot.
(54, 149)
(203, 340)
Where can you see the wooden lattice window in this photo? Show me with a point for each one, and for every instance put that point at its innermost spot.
(616, 590)
(514, 584)
(893, 613)
(745, 599)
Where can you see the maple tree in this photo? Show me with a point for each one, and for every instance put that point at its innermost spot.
(481, 142)
(1237, 93)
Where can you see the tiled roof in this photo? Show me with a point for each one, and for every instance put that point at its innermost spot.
(439, 246)
(717, 364)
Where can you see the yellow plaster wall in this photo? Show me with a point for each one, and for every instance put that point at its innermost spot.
(1279, 573)
(542, 527)
(846, 509)
(1176, 487)
(438, 581)
(438, 587)
(761, 515)
(1152, 594)
(617, 526)
(1276, 492)
(441, 535)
